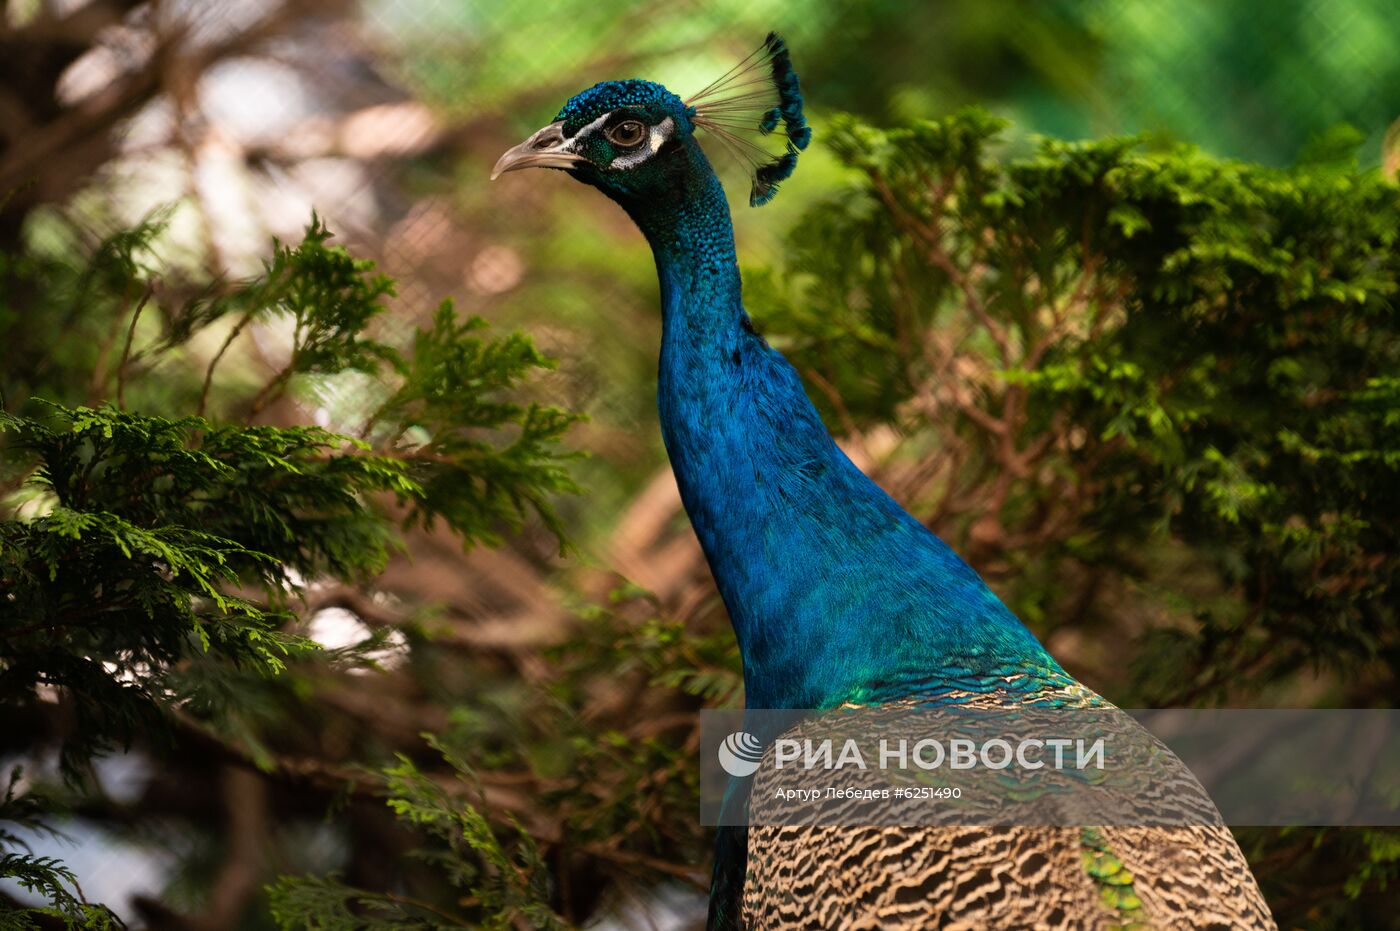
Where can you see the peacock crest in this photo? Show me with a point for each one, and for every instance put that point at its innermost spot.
(756, 101)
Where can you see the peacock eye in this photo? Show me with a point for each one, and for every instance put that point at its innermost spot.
(627, 133)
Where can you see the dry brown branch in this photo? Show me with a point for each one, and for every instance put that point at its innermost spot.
(243, 871)
(126, 349)
(233, 334)
(939, 257)
(63, 144)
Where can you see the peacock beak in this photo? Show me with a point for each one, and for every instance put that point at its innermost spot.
(545, 149)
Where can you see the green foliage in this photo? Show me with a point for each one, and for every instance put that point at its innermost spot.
(1151, 394)
(145, 525)
(83, 306)
(703, 665)
(324, 903)
(44, 876)
(48, 877)
(331, 298)
(1119, 346)
(504, 887)
(150, 562)
(451, 409)
(601, 773)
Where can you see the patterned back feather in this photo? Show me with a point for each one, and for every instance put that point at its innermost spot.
(1052, 878)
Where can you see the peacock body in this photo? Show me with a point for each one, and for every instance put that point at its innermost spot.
(838, 596)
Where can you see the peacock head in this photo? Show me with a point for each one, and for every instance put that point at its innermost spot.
(631, 138)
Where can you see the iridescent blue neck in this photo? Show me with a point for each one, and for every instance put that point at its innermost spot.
(692, 238)
(836, 593)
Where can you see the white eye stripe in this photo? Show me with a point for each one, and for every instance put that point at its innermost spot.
(572, 144)
(656, 138)
(660, 133)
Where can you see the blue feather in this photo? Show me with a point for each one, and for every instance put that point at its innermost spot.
(789, 91)
(835, 591)
(789, 111)
(766, 178)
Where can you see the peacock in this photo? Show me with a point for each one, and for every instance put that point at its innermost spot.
(837, 595)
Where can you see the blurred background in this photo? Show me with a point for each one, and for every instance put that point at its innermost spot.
(241, 117)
